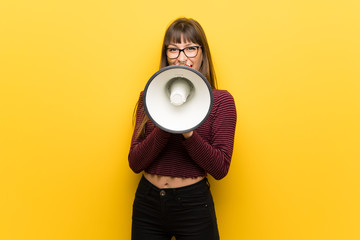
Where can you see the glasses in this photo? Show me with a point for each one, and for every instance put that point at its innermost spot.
(189, 52)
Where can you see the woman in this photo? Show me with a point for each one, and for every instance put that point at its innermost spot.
(173, 197)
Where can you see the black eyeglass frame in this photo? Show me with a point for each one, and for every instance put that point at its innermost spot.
(183, 50)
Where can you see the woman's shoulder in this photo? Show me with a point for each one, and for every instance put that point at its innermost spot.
(220, 95)
(223, 104)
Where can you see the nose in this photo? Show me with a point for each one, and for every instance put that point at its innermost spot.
(182, 57)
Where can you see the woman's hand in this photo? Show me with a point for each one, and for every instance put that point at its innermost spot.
(187, 134)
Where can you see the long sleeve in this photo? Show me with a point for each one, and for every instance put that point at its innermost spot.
(143, 151)
(214, 155)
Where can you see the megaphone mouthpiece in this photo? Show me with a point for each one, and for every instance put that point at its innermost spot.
(179, 91)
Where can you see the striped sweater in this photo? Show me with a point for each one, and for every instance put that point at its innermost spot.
(208, 150)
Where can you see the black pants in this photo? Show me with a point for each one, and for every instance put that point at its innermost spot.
(186, 213)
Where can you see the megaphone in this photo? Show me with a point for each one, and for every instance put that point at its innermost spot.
(178, 99)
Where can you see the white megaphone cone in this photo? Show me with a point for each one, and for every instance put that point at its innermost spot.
(178, 99)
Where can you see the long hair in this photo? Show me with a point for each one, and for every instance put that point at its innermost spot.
(190, 31)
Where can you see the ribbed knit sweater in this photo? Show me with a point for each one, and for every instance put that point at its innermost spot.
(208, 150)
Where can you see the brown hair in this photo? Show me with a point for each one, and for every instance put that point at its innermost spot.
(190, 31)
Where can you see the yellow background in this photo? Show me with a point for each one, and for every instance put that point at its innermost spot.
(70, 75)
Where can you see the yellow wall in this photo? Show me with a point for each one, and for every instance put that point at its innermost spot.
(71, 72)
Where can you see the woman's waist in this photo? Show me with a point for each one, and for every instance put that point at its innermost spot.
(163, 182)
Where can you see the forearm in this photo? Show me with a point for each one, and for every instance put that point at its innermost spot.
(143, 152)
(213, 159)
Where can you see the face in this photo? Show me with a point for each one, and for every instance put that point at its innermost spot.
(182, 59)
